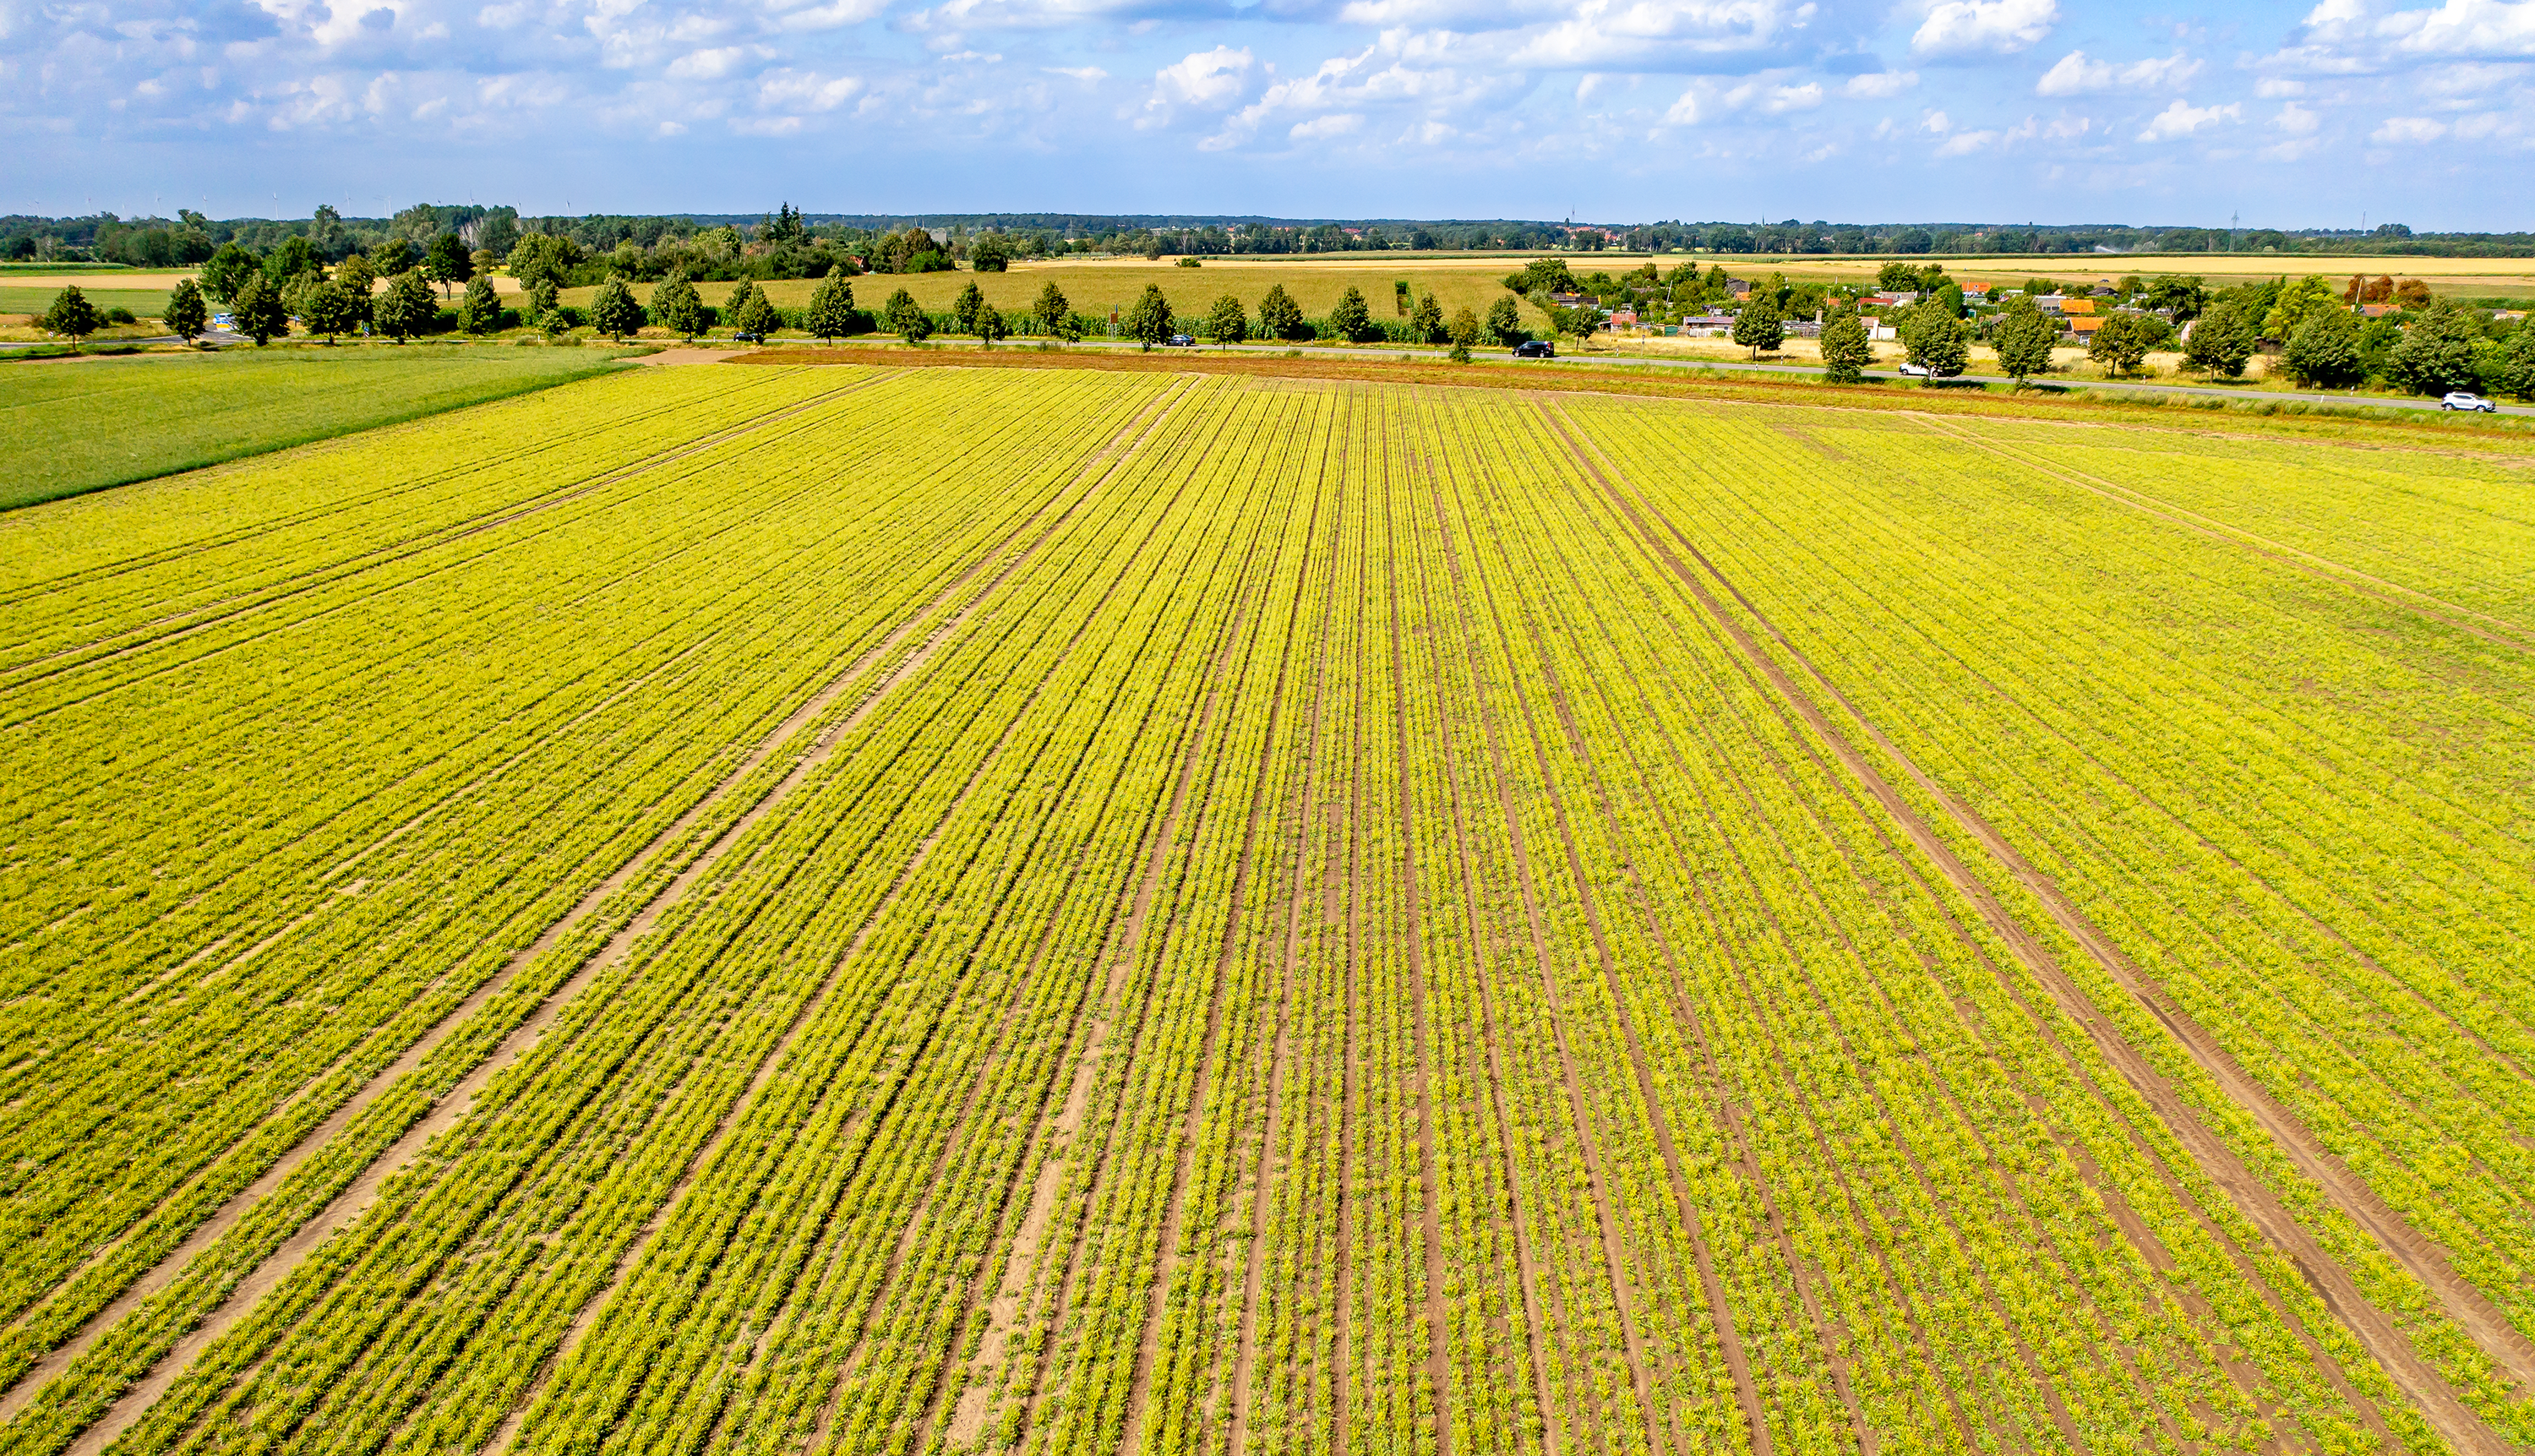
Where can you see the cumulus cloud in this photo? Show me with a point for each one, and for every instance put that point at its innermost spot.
(1212, 79)
(2408, 131)
(2181, 119)
(1877, 85)
(2075, 75)
(2296, 121)
(1654, 35)
(1972, 27)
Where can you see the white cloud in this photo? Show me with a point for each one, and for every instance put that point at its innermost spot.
(2296, 121)
(1877, 85)
(1967, 141)
(2075, 75)
(2408, 131)
(2181, 119)
(708, 65)
(805, 91)
(1085, 74)
(1966, 28)
(1322, 128)
(1638, 35)
(2273, 88)
(1212, 79)
(1937, 122)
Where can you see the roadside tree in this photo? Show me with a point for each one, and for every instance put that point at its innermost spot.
(677, 307)
(1846, 349)
(185, 316)
(1504, 323)
(1937, 342)
(1051, 310)
(325, 310)
(1757, 327)
(614, 312)
(2437, 351)
(967, 307)
(992, 325)
(2324, 350)
(2121, 344)
(1464, 330)
(1279, 316)
(832, 307)
(755, 318)
(228, 272)
(1428, 320)
(2220, 342)
(405, 309)
(2024, 340)
(258, 312)
(905, 318)
(448, 262)
(1226, 323)
(482, 313)
(2518, 371)
(1147, 320)
(1352, 320)
(72, 316)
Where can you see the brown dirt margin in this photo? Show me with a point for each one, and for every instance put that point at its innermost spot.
(2447, 1415)
(355, 1199)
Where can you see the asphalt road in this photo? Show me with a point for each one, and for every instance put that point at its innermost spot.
(1641, 361)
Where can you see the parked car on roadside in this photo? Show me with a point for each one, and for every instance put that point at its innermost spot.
(2460, 399)
(1182, 340)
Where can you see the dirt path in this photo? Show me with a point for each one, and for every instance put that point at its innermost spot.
(2455, 1424)
(2490, 629)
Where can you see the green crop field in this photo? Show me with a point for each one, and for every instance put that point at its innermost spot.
(1065, 911)
(70, 428)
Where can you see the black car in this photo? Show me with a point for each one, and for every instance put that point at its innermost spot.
(1535, 349)
(1182, 340)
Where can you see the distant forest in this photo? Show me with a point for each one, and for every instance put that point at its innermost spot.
(191, 237)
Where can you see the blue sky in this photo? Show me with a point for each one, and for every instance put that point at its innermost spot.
(2420, 111)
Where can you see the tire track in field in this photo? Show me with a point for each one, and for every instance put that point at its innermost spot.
(2459, 1426)
(1720, 1313)
(1306, 824)
(2494, 630)
(351, 1201)
(283, 590)
(1597, 1180)
(1139, 1380)
(1438, 1327)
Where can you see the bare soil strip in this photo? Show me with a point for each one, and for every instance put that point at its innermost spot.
(448, 1108)
(1439, 1365)
(309, 581)
(1597, 1180)
(2492, 629)
(2457, 1423)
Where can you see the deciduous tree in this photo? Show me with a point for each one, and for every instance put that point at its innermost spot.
(1051, 310)
(226, 272)
(258, 312)
(482, 313)
(185, 316)
(2120, 343)
(1757, 327)
(2220, 342)
(1225, 323)
(677, 307)
(2437, 351)
(2324, 350)
(965, 308)
(1936, 341)
(1279, 316)
(72, 316)
(755, 318)
(448, 262)
(2024, 340)
(1352, 320)
(406, 307)
(1845, 348)
(1147, 320)
(832, 307)
(1504, 322)
(1427, 319)
(614, 312)
(905, 318)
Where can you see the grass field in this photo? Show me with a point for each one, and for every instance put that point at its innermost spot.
(872, 909)
(71, 428)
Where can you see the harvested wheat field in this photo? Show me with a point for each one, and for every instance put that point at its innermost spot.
(911, 909)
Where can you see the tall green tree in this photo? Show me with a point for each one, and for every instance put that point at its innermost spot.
(407, 308)
(2324, 350)
(1465, 330)
(614, 312)
(831, 308)
(1757, 327)
(1279, 316)
(1936, 341)
(2298, 302)
(2518, 370)
(965, 308)
(185, 316)
(2437, 354)
(677, 307)
(2121, 344)
(1504, 323)
(990, 253)
(2024, 340)
(1225, 323)
(992, 325)
(395, 256)
(2221, 342)
(784, 228)
(1846, 349)
(292, 258)
(448, 262)
(1352, 320)
(358, 280)
(1147, 320)
(1051, 310)
(482, 313)
(756, 319)
(905, 318)
(325, 310)
(226, 272)
(257, 310)
(1428, 320)
(70, 315)
(737, 304)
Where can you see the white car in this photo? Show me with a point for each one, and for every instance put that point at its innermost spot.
(1917, 371)
(2463, 400)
